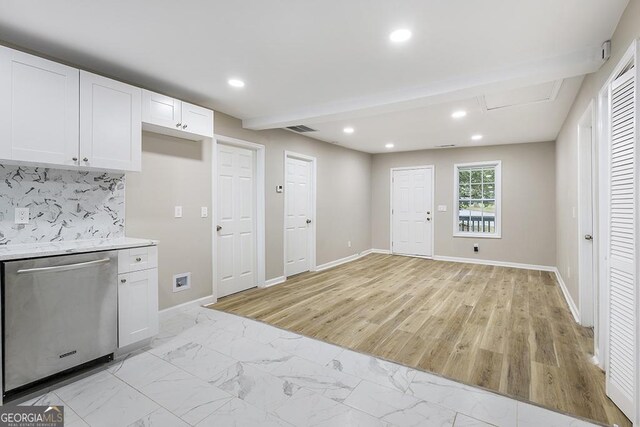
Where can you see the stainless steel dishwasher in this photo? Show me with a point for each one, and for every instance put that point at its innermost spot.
(59, 313)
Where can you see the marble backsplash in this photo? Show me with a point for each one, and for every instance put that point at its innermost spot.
(63, 205)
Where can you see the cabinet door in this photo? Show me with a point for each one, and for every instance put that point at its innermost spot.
(197, 120)
(110, 124)
(137, 306)
(161, 110)
(38, 109)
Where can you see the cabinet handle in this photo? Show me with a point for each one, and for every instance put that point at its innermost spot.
(123, 280)
(178, 125)
(85, 159)
(75, 159)
(138, 259)
(184, 126)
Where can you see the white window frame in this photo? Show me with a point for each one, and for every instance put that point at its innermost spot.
(456, 200)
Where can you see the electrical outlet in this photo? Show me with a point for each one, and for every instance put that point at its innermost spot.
(22, 215)
(476, 247)
(204, 212)
(349, 244)
(177, 212)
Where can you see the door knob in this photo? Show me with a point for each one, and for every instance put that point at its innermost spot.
(308, 221)
(184, 126)
(218, 228)
(178, 125)
(85, 159)
(428, 219)
(123, 280)
(588, 237)
(75, 159)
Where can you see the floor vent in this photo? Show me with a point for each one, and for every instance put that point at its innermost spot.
(301, 128)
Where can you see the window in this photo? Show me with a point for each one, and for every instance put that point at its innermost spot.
(477, 200)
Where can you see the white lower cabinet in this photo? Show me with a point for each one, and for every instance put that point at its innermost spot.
(137, 303)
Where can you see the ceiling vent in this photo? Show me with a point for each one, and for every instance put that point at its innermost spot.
(545, 92)
(301, 128)
(446, 146)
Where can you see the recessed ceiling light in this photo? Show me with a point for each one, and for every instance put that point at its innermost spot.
(459, 114)
(400, 35)
(476, 137)
(389, 145)
(235, 82)
(348, 130)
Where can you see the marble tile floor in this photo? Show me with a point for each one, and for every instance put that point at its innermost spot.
(209, 368)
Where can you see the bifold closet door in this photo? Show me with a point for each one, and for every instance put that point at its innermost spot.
(622, 266)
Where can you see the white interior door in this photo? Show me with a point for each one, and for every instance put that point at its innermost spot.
(298, 215)
(236, 220)
(622, 368)
(411, 211)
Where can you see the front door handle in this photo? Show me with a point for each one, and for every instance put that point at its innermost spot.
(218, 228)
(588, 237)
(308, 221)
(428, 219)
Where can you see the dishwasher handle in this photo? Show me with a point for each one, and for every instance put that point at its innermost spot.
(66, 267)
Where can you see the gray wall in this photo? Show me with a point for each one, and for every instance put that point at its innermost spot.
(175, 172)
(343, 193)
(528, 201)
(178, 172)
(567, 150)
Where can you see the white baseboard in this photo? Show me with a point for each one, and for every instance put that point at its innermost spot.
(567, 296)
(344, 260)
(381, 251)
(496, 263)
(199, 302)
(274, 281)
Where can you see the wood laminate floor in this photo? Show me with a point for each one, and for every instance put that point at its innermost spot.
(505, 329)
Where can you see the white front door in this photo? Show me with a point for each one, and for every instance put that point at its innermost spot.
(298, 215)
(411, 211)
(236, 220)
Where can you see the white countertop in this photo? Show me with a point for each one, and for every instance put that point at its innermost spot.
(35, 250)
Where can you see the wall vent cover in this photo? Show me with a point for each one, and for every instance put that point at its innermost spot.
(301, 128)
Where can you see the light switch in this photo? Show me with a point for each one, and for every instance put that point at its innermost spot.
(177, 212)
(204, 212)
(442, 208)
(22, 216)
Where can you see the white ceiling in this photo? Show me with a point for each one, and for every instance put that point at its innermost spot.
(325, 63)
(430, 126)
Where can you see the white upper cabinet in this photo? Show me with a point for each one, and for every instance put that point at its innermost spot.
(161, 110)
(110, 124)
(38, 110)
(197, 120)
(171, 116)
